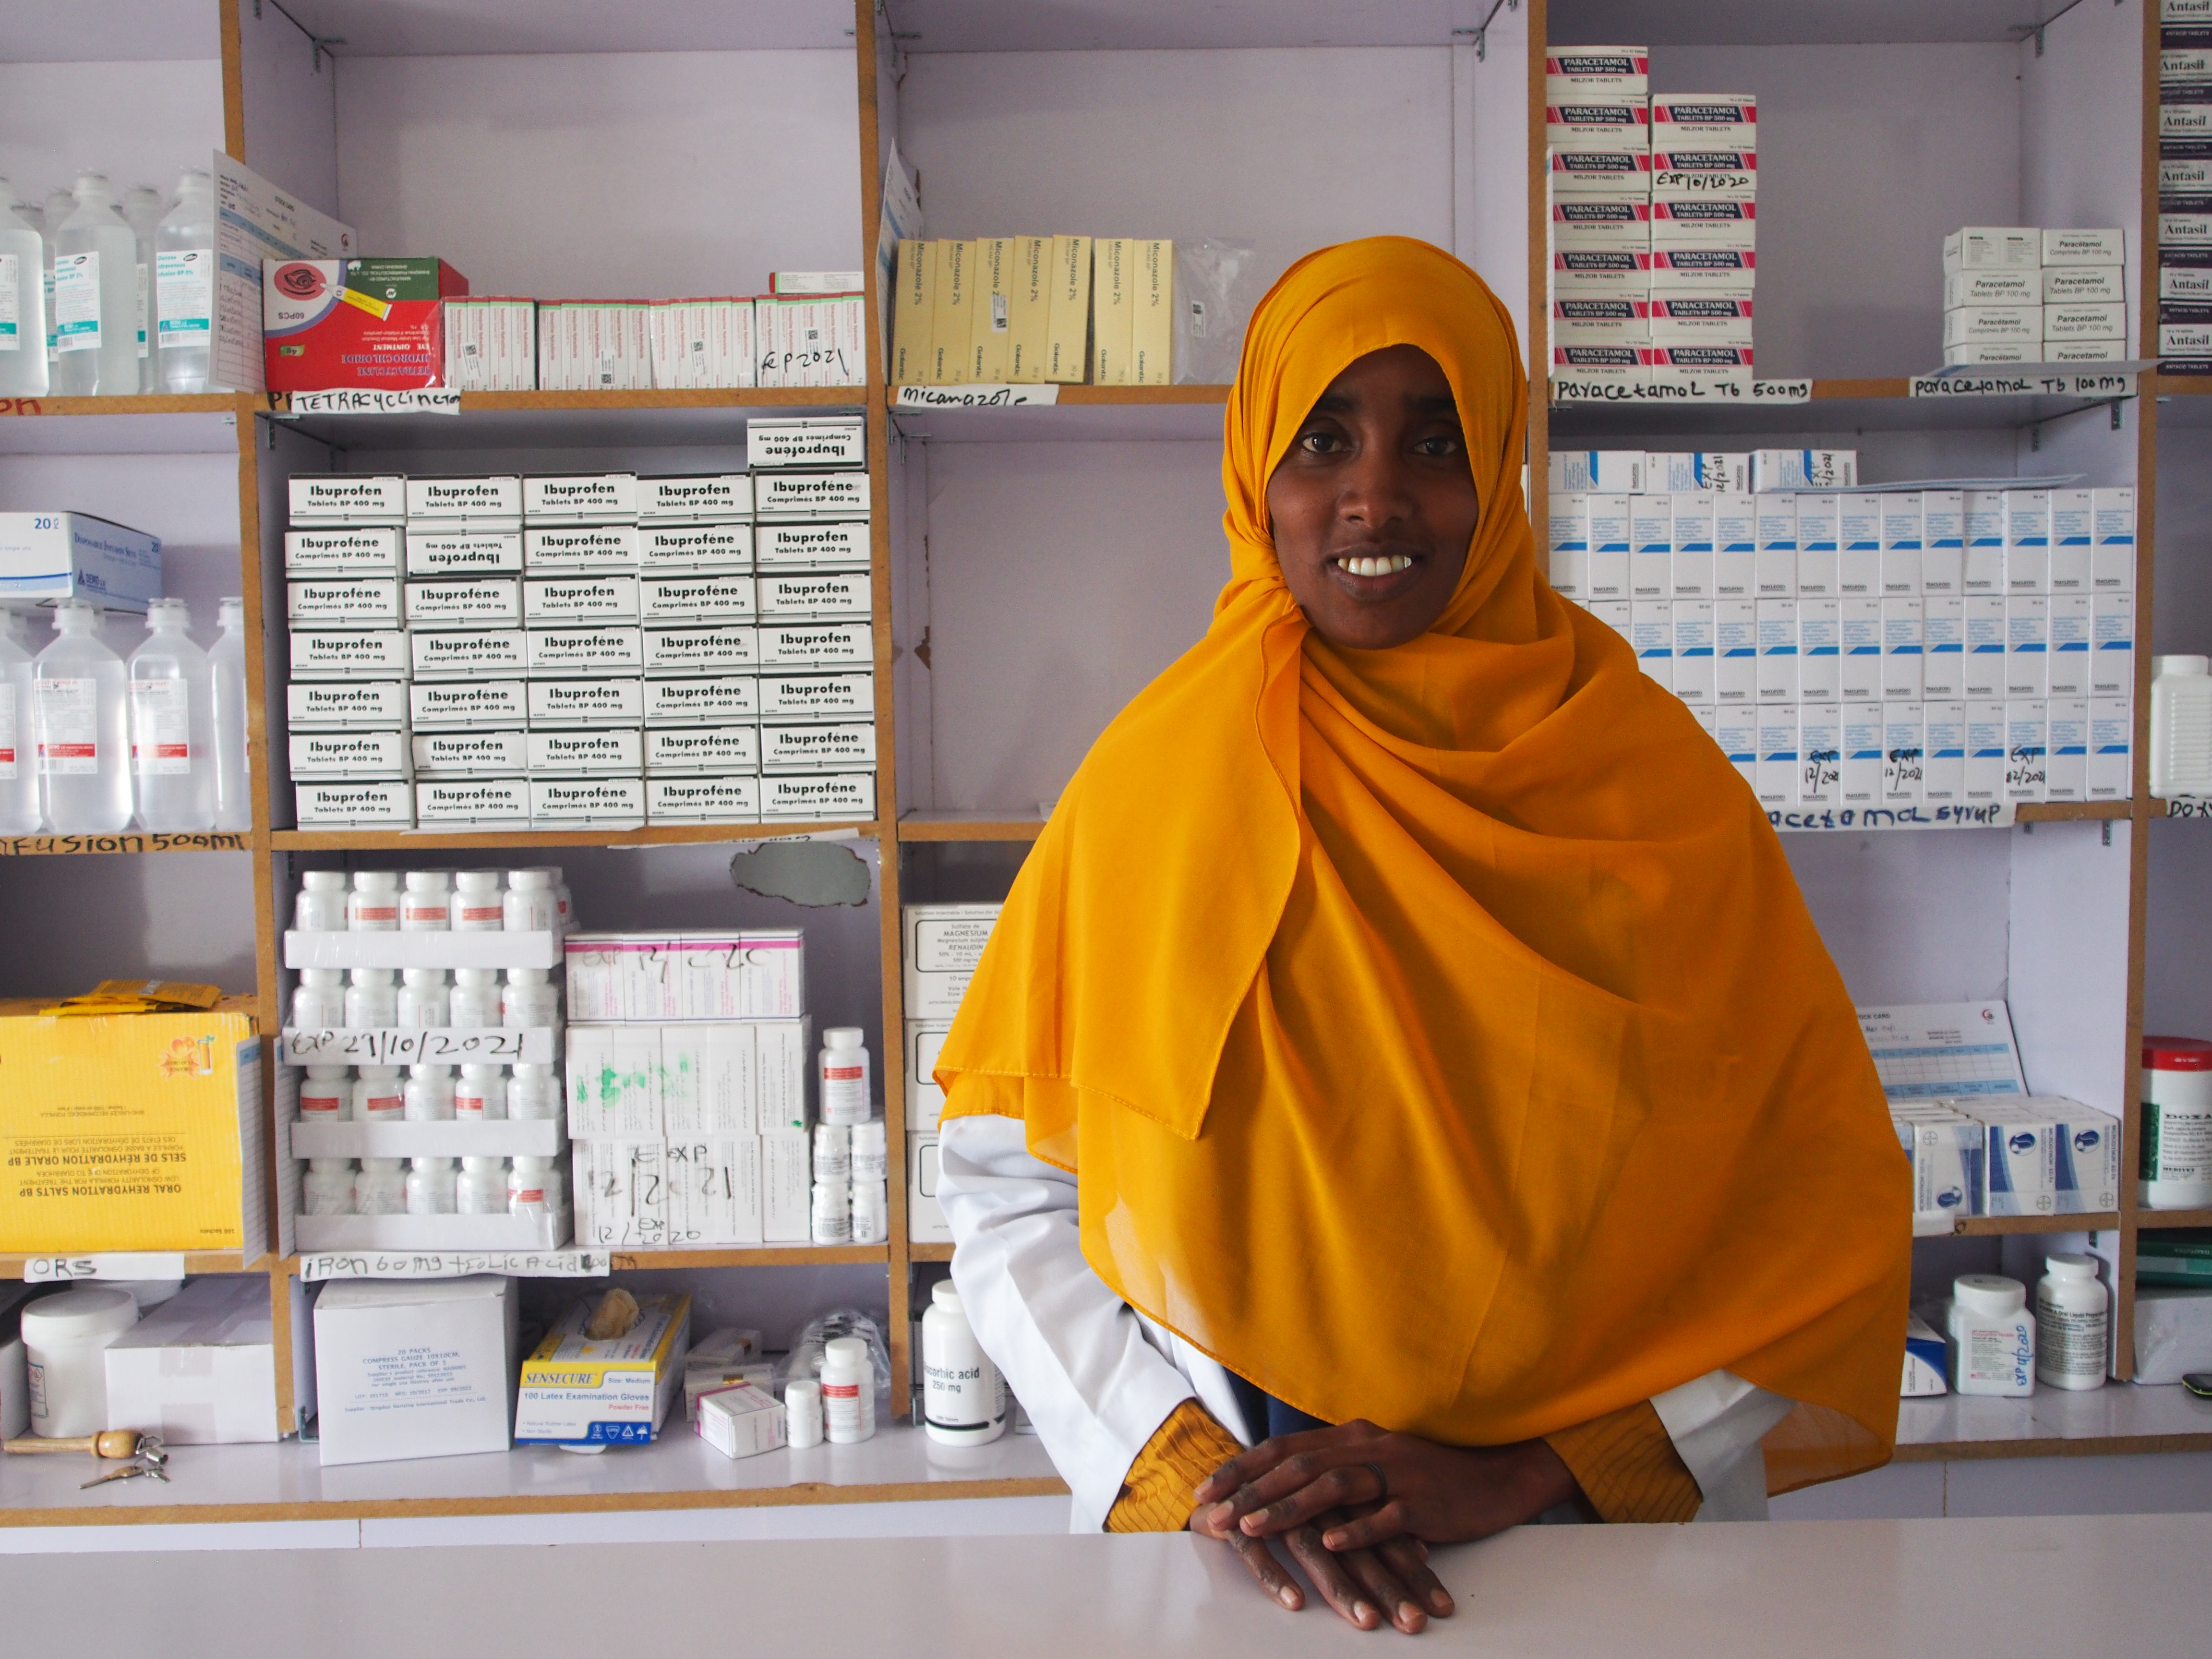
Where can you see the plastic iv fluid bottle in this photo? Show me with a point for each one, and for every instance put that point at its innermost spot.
(234, 772)
(22, 303)
(171, 725)
(19, 768)
(80, 708)
(183, 290)
(95, 296)
(59, 205)
(142, 210)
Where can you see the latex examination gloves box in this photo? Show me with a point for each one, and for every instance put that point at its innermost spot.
(200, 1370)
(415, 1368)
(577, 1389)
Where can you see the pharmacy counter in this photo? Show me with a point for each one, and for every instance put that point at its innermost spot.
(2065, 1587)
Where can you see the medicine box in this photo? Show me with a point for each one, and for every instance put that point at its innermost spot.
(200, 1369)
(503, 802)
(816, 697)
(683, 547)
(584, 649)
(1804, 469)
(940, 947)
(1596, 221)
(925, 1101)
(1572, 72)
(722, 1360)
(814, 441)
(49, 556)
(695, 498)
(1595, 123)
(465, 602)
(579, 1390)
(702, 800)
(441, 552)
(713, 1191)
(711, 974)
(482, 499)
(329, 498)
(336, 324)
(698, 596)
(415, 1367)
(351, 653)
(328, 601)
(741, 1421)
(342, 549)
(467, 653)
(605, 751)
(580, 498)
(550, 703)
(798, 596)
(1692, 120)
(925, 1218)
(622, 1193)
(702, 699)
(334, 805)
(445, 705)
(553, 601)
(810, 495)
(845, 797)
(817, 747)
(566, 802)
(707, 750)
(1924, 1363)
(1981, 247)
(812, 645)
(472, 752)
(593, 548)
(1619, 174)
(2084, 247)
(347, 705)
(704, 648)
(346, 755)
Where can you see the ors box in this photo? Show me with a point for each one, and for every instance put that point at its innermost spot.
(329, 324)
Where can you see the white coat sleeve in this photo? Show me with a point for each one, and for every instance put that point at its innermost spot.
(1716, 1422)
(1076, 1355)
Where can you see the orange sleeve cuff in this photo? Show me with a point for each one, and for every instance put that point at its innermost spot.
(1182, 1451)
(1627, 1466)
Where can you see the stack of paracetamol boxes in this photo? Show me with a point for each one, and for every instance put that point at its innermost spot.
(1654, 212)
(1027, 310)
(2009, 1155)
(940, 947)
(1866, 650)
(587, 649)
(2184, 188)
(687, 1107)
(2020, 294)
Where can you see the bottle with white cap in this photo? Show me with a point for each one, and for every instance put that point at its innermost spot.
(373, 905)
(425, 1000)
(832, 1212)
(234, 761)
(318, 1000)
(530, 905)
(183, 286)
(480, 1097)
(2176, 1160)
(430, 1183)
(533, 1091)
(378, 1097)
(326, 1097)
(845, 1096)
(802, 1407)
(320, 906)
(475, 1002)
(528, 998)
(872, 1213)
(963, 1400)
(327, 1187)
(1992, 1337)
(428, 1097)
(2180, 726)
(2073, 1323)
(95, 296)
(533, 1187)
(22, 259)
(482, 1187)
(381, 1188)
(19, 770)
(428, 906)
(80, 708)
(477, 906)
(848, 1391)
(171, 723)
(371, 1002)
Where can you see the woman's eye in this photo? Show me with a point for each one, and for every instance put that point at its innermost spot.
(1319, 443)
(1439, 446)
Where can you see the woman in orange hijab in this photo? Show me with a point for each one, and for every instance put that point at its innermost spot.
(1405, 1054)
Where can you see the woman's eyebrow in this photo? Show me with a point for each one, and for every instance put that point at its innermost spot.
(1434, 405)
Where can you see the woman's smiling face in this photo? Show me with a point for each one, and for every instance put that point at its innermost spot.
(1374, 506)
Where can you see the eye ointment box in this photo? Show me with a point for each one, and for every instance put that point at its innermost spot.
(329, 324)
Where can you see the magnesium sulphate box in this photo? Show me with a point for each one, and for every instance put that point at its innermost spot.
(812, 645)
(481, 499)
(343, 551)
(1719, 175)
(613, 648)
(704, 649)
(795, 596)
(1597, 124)
(683, 547)
(46, 557)
(559, 801)
(473, 753)
(141, 1132)
(695, 498)
(384, 805)
(580, 498)
(751, 974)
(810, 442)
(549, 601)
(329, 324)
(452, 705)
(347, 755)
(682, 799)
(829, 545)
(1621, 174)
(595, 549)
(1573, 72)
(925, 1100)
(329, 498)
(346, 705)
(703, 750)
(465, 602)
(1703, 121)
(468, 653)
(606, 751)
(613, 702)
(696, 596)
(435, 551)
(495, 801)
(810, 495)
(818, 746)
(324, 601)
(940, 945)
(415, 1367)
(703, 699)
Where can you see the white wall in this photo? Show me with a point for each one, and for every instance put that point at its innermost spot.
(139, 123)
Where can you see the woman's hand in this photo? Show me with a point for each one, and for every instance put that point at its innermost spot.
(1355, 1581)
(1363, 1495)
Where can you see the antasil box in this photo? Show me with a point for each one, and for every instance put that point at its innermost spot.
(333, 323)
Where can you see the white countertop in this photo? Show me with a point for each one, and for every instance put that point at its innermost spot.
(2062, 1588)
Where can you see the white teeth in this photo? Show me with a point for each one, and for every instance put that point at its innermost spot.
(1387, 564)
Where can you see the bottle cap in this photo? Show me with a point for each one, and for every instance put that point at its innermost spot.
(324, 881)
(481, 1166)
(370, 976)
(1990, 1294)
(432, 1164)
(842, 1036)
(2179, 667)
(72, 1315)
(331, 1165)
(531, 881)
(376, 881)
(871, 1137)
(427, 881)
(943, 1295)
(2177, 1053)
(845, 1351)
(477, 881)
(2065, 1265)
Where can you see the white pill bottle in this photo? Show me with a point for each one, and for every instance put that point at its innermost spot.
(844, 1094)
(964, 1397)
(2073, 1323)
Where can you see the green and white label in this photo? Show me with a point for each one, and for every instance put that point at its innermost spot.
(184, 295)
(77, 301)
(11, 303)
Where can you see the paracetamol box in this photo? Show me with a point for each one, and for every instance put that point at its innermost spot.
(1651, 635)
(1611, 321)
(346, 705)
(705, 750)
(1573, 72)
(388, 804)
(1944, 763)
(346, 755)
(810, 494)
(1982, 567)
(481, 498)
(1598, 221)
(700, 699)
(1942, 670)
(1619, 471)
(1609, 529)
(696, 498)
(1775, 517)
(1859, 662)
(2072, 643)
(594, 648)
(451, 705)
(2084, 247)
(606, 701)
(806, 442)
(2027, 541)
(1777, 652)
(1619, 174)
(579, 1390)
(689, 547)
(2112, 639)
(465, 602)
(2028, 749)
(1993, 353)
(2076, 320)
(835, 797)
(1984, 247)
(343, 551)
(325, 601)
(698, 596)
(1600, 272)
(1694, 676)
(1708, 172)
(472, 752)
(1819, 755)
(682, 799)
(1860, 764)
(1858, 546)
(1776, 774)
(1983, 665)
(436, 551)
(1904, 736)
(599, 597)
(1703, 121)
(468, 653)
(580, 498)
(497, 801)
(1943, 545)
(595, 752)
(1903, 528)
(350, 654)
(2112, 532)
(600, 548)
(1903, 645)
(1985, 753)
(1689, 320)
(2019, 286)
(1618, 123)
(1736, 546)
(2111, 737)
(1819, 528)
(2075, 285)
(329, 498)
(1703, 223)
(2028, 646)
(586, 800)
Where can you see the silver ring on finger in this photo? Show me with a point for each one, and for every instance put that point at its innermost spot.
(1382, 1482)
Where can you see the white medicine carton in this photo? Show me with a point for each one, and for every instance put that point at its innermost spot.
(342, 549)
(467, 653)
(369, 1331)
(837, 797)
(704, 750)
(818, 746)
(598, 751)
(482, 499)
(562, 802)
(442, 552)
(598, 597)
(350, 654)
(609, 701)
(700, 699)
(796, 596)
(349, 756)
(685, 547)
(582, 548)
(816, 645)
(346, 705)
(445, 705)
(695, 498)
(682, 800)
(810, 494)
(347, 498)
(1984, 247)
(810, 441)
(696, 596)
(500, 802)
(706, 649)
(472, 752)
(465, 602)
(328, 601)
(388, 804)
(580, 498)
(940, 947)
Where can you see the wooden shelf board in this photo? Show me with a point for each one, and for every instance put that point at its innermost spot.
(1995, 1226)
(2165, 1219)
(662, 834)
(754, 1255)
(929, 1253)
(1836, 405)
(125, 840)
(2118, 1419)
(165, 403)
(2075, 812)
(557, 420)
(969, 826)
(196, 1261)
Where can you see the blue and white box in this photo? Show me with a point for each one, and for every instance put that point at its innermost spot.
(46, 557)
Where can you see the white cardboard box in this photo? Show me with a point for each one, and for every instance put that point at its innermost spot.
(74, 556)
(925, 1220)
(924, 1099)
(940, 947)
(415, 1368)
(741, 1421)
(200, 1370)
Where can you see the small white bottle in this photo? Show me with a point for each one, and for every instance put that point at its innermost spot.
(530, 905)
(480, 1097)
(534, 1188)
(171, 723)
(326, 1097)
(481, 1189)
(568, 900)
(430, 1183)
(871, 1153)
(2073, 1323)
(371, 1004)
(478, 905)
(381, 1188)
(425, 1002)
(19, 771)
(872, 1213)
(327, 1189)
(373, 905)
(833, 1152)
(95, 306)
(533, 1091)
(22, 301)
(848, 1391)
(428, 1097)
(2180, 726)
(832, 1215)
(318, 1000)
(845, 1095)
(2175, 1163)
(233, 759)
(141, 209)
(320, 906)
(1992, 1337)
(475, 997)
(377, 1097)
(183, 286)
(427, 906)
(963, 1399)
(528, 998)
(80, 708)
(802, 1407)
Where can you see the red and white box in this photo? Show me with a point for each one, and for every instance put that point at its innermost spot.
(1577, 72)
(701, 344)
(1713, 175)
(1704, 223)
(1694, 320)
(1610, 322)
(1598, 124)
(1589, 273)
(1601, 222)
(491, 343)
(1602, 173)
(1703, 270)
(1703, 121)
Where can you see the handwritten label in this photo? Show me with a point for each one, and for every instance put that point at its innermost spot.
(440, 1045)
(454, 1264)
(974, 397)
(64, 1269)
(1782, 391)
(1689, 389)
(2189, 806)
(2054, 383)
(1994, 816)
(30, 846)
(429, 400)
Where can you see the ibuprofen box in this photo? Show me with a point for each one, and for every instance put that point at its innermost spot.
(702, 700)
(343, 551)
(346, 705)
(387, 805)
(563, 801)
(437, 550)
(827, 544)
(580, 548)
(810, 494)
(696, 498)
(329, 324)
(580, 498)
(682, 799)
(682, 547)
(837, 797)
(816, 696)
(327, 498)
(807, 441)
(705, 750)
(698, 596)
(448, 705)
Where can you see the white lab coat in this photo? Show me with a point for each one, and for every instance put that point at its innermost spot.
(1097, 1377)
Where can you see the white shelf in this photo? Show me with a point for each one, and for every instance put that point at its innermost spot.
(426, 950)
(329, 1234)
(504, 1138)
(2118, 1418)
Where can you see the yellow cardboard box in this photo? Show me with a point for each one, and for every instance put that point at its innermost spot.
(139, 1131)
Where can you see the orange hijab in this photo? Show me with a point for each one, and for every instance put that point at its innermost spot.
(1438, 1033)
